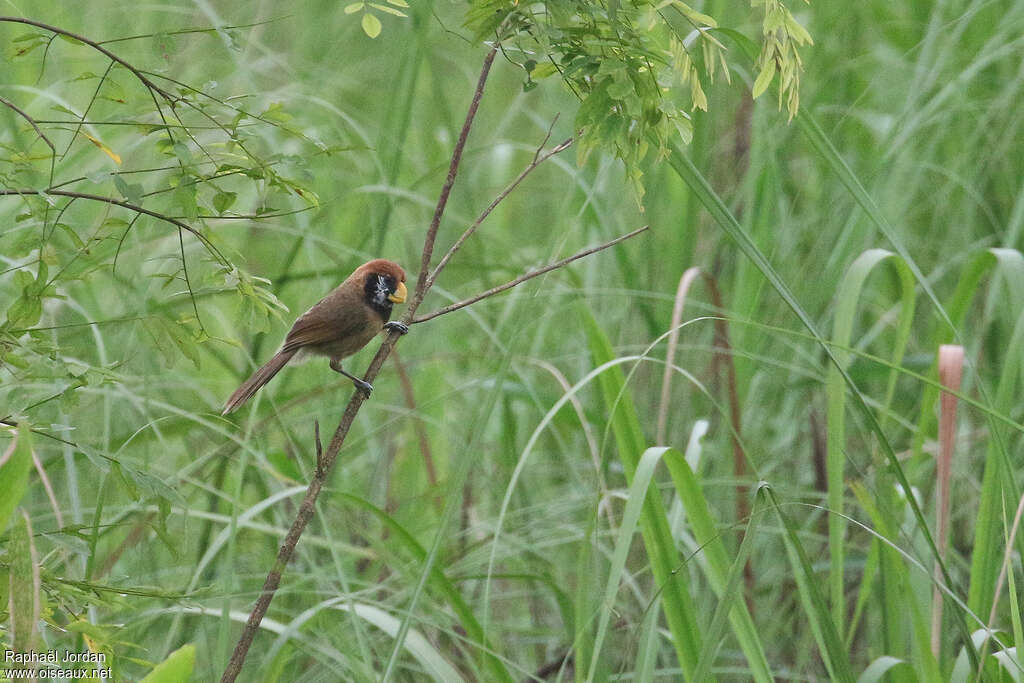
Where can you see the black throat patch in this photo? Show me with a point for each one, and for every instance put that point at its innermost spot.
(377, 290)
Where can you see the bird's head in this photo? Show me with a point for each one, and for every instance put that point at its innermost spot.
(383, 284)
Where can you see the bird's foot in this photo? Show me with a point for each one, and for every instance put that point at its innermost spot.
(361, 385)
(399, 327)
(364, 387)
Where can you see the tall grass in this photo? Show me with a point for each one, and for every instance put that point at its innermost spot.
(567, 537)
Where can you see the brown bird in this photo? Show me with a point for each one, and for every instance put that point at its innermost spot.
(338, 325)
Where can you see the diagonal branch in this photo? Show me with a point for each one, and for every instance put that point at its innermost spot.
(307, 507)
(125, 205)
(326, 460)
(538, 159)
(32, 122)
(453, 169)
(524, 277)
(96, 46)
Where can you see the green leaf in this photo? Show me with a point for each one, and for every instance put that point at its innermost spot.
(677, 603)
(24, 595)
(177, 668)
(388, 10)
(14, 468)
(354, 7)
(371, 25)
(25, 311)
(222, 201)
(132, 192)
(764, 79)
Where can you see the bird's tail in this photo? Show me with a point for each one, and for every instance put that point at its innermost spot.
(258, 379)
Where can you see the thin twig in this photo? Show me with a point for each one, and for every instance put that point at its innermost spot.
(453, 169)
(537, 161)
(94, 45)
(123, 204)
(523, 278)
(11, 105)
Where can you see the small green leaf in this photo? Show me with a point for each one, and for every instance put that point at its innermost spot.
(222, 201)
(354, 7)
(14, 468)
(63, 110)
(25, 311)
(24, 596)
(371, 25)
(389, 10)
(177, 668)
(28, 36)
(764, 79)
(132, 192)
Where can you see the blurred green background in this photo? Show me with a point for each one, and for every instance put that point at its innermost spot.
(164, 517)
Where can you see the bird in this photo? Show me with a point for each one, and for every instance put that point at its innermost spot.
(338, 325)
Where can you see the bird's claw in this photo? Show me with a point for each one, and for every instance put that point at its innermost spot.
(364, 387)
(399, 327)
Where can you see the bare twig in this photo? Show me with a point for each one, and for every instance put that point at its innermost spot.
(523, 278)
(96, 46)
(538, 159)
(126, 205)
(7, 103)
(319, 449)
(453, 169)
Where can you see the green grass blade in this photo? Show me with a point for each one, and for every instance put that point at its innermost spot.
(625, 425)
(848, 297)
(730, 596)
(830, 645)
(721, 214)
(14, 468)
(630, 520)
(716, 566)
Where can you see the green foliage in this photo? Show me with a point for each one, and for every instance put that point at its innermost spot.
(483, 518)
(15, 466)
(177, 668)
(639, 68)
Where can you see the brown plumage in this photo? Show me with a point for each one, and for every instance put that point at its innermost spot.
(337, 326)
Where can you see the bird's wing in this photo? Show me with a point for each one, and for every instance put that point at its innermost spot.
(313, 330)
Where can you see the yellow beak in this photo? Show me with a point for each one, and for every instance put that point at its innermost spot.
(399, 295)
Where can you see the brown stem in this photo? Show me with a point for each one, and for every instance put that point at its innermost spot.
(523, 278)
(126, 205)
(11, 105)
(723, 350)
(453, 169)
(538, 159)
(307, 507)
